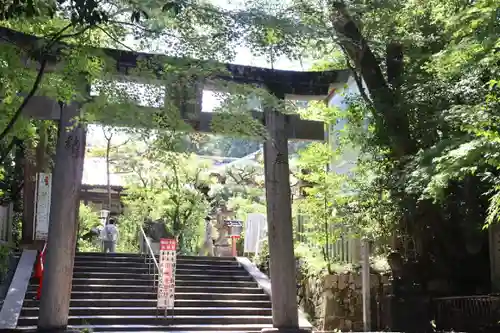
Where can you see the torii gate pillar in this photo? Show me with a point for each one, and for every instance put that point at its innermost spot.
(63, 227)
(280, 226)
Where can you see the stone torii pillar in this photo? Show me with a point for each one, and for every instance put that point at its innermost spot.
(63, 227)
(280, 227)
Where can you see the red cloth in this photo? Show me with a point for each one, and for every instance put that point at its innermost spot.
(39, 290)
(39, 270)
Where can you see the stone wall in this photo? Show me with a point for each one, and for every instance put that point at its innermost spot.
(335, 301)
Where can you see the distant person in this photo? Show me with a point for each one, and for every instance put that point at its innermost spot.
(207, 249)
(110, 236)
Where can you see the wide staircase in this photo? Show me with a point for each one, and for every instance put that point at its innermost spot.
(115, 293)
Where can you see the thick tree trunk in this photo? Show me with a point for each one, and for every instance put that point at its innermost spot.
(28, 224)
(391, 120)
(67, 177)
(279, 220)
(108, 173)
(394, 63)
(42, 160)
(18, 181)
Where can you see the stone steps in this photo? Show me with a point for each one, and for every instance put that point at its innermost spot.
(144, 265)
(153, 311)
(179, 281)
(217, 271)
(138, 259)
(114, 293)
(146, 289)
(152, 295)
(154, 319)
(210, 328)
(197, 303)
(137, 276)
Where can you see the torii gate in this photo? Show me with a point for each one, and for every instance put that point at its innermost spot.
(70, 149)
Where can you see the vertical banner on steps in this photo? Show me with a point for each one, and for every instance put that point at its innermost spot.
(166, 276)
(42, 208)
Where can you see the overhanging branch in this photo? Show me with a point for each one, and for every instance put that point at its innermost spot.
(395, 124)
(6, 152)
(41, 71)
(357, 79)
(26, 99)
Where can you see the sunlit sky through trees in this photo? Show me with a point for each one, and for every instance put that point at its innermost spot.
(244, 56)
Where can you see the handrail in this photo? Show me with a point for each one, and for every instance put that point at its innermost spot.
(156, 266)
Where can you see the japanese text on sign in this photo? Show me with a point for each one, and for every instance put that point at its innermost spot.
(235, 228)
(43, 195)
(166, 278)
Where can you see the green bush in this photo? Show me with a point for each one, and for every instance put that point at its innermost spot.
(262, 259)
(5, 253)
(88, 220)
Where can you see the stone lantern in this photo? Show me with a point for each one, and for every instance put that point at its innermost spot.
(222, 246)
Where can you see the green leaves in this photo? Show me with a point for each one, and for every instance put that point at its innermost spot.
(162, 184)
(494, 208)
(173, 7)
(88, 219)
(87, 12)
(26, 8)
(136, 16)
(79, 11)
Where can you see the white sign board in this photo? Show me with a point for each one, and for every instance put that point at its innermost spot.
(166, 277)
(255, 232)
(42, 213)
(235, 227)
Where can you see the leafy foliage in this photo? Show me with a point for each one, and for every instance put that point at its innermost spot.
(424, 123)
(89, 220)
(163, 184)
(5, 255)
(319, 190)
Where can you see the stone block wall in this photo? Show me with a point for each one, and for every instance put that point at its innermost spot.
(335, 301)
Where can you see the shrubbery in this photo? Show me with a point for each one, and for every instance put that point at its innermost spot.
(87, 242)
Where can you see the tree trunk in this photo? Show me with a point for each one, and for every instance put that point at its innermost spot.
(279, 220)
(108, 174)
(42, 162)
(28, 224)
(393, 124)
(77, 211)
(57, 281)
(18, 180)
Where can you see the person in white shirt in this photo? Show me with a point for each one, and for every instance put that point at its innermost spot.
(110, 237)
(208, 244)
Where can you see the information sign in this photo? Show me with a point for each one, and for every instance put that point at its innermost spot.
(43, 195)
(166, 276)
(235, 228)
